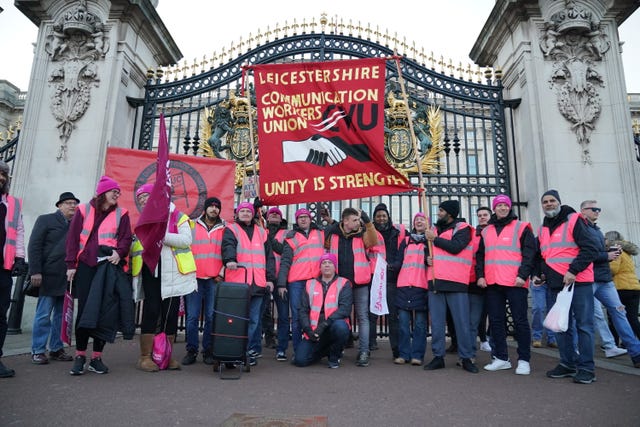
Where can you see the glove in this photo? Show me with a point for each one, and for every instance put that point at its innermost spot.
(321, 328)
(257, 203)
(418, 238)
(312, 335)
(20, 268)
(364, 217)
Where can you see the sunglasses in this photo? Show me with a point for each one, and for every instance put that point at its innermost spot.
(595, 209)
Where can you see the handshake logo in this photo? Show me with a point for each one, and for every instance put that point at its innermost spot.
(319, 151)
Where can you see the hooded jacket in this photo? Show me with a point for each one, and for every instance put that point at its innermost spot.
(623, 268)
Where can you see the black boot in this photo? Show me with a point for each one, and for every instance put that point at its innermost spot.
(6, 372)
(436, 363)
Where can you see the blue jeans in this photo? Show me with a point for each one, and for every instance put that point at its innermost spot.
(206, 291)
(497, 297)
(607, 294)
(6, 282)
(476, 311)
(412, 344)
(541, 300)
(295, 291)
(458, 303)
(361, 304)
(255, 323)
(45, 327)
(601, 325)
(331, 344)
(582, 313)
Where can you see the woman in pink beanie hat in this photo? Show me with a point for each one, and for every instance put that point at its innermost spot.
(102, 229)
(244, 243)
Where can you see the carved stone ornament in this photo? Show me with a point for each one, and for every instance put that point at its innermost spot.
(77, 41)
(574, 41)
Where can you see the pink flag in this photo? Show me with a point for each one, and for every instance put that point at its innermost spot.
(153, 220)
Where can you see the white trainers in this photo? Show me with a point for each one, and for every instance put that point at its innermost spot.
(485, 346)
(523, 368)
(614, 352)
(497, 365)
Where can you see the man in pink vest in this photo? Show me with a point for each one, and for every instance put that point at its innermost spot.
(12, 243)
(325, 307)
(568, 250)
(301, 252)
(449, 275)
(504, 261)
(207, 251)
(349, 240)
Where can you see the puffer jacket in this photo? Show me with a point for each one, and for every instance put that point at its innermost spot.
(623, 268)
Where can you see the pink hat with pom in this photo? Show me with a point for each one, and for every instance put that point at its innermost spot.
(146, 188)
(106, 184)
(330, 257)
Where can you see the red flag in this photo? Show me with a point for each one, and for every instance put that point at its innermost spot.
(321, 131)
(152, 224)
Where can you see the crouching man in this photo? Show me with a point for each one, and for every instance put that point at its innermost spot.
(324, 316)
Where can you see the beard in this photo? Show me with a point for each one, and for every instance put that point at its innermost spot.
(441, 222)
(552, 213)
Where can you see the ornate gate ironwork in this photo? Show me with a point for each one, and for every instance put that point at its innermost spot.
(468, 161)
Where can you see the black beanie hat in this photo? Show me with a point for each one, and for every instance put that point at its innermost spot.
(553, 193)
(212, 201)
(381, 207)
(451, 206)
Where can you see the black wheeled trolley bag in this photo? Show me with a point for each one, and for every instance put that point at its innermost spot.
(230, 330)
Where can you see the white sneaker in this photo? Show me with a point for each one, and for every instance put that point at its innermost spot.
(523, 368)
(614, 352)
(498, 364)
(485, 346)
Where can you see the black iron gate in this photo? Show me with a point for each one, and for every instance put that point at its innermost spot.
(458, 120)
(464, 155)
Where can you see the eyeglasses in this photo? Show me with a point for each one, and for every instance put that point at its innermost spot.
(594, 209)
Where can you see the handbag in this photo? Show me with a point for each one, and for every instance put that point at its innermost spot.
(557, 319)
(161, 353)
(28, 289)
(66, 330)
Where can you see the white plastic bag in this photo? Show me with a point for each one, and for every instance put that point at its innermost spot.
(378, 295)
(557, 319)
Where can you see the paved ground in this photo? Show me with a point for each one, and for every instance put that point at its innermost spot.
(383, 394)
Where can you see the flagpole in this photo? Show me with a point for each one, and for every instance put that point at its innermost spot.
(253, 153)
(422, 197)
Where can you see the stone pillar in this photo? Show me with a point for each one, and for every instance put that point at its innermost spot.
(572, 129)
(89, 57)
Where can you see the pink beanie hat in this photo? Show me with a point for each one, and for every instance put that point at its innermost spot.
(331, 257)
(246, 205)
(106, 184)
(501, 198)
(418, 215)
(302, 211)
(274, 210)
(146, 188)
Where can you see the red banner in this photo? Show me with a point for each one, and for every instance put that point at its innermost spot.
(152, 225)
(321, 132)
(193, 179)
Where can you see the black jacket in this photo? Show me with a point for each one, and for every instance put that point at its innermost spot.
(287, 253)
(345, 247)
(457, 244)
(229, 254)
(345, 303)
(109, 306)
(46, 253)
(410, 297)
(584, 239)
(528, 249)
(601, 269)
(392, 241)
